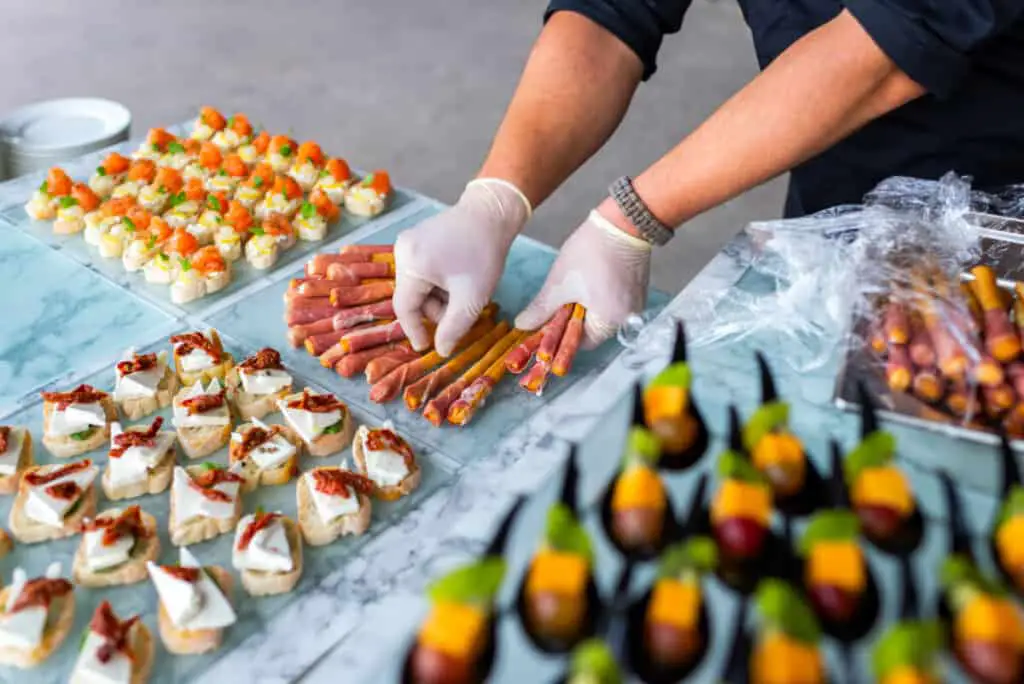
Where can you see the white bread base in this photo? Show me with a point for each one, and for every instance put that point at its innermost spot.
(260, 583)
(28, 531)
(201, 529)
(192, 642)
(60, 619)
(390, 493)
(9, 483)
(200, 442)
(157, 481)
(248, 406)
(278, 475)
(140, 407)
(130, 572)
(315, 531)
(66, 447)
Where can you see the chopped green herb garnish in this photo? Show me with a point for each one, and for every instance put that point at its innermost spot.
(100, 171)
(331, 429)
(156, 148)
(44, 187)
(129, 225)
(257, 230)
(176, 148)
(213, 203)
(83, 435)
(323, 173)
(222, 172)
(285, 150)
(186, 265)
(308, 211)
(368, 181)
(257, 182)
(211, 465)
(260, 511)
(231, 121)
(151, 243)
(162, 189)
(164, 257)
(67, 202)
(177, 198)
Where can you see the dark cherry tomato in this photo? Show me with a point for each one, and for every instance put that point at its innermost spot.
(740, 537)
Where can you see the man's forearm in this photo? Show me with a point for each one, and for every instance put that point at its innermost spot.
(820, 90)
(574, 91)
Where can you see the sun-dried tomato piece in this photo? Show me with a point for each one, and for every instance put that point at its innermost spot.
(190, 575)
(256, 437)
(126, 524)
(316, 403)
(204, 402)
(337, 482)
(5, 433)
(384, 439)
(137, 364)
(186, 343)
(83, 394)
(264, 359)
(261, 522)
(204, 484)
(65, 491)
(38, 478)
(146, 438)
(40, 592)
(115, 633)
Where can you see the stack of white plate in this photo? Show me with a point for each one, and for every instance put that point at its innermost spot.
(43, 134)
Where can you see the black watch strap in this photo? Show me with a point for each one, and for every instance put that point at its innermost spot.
(633, 208)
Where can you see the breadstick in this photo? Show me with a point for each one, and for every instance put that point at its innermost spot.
(535, 379)
(425, 388)
(472, 398)
(351, 364)
(570, 342)
(382, 365)
(520, 356)
(553, 330)
(360, 271)
(367, 249)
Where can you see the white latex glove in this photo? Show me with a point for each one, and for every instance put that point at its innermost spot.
(601, 267)
(457, 255)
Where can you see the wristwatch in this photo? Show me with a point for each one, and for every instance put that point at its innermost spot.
(633, 208)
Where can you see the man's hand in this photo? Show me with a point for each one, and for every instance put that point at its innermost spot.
(601, 267)
(458, 254)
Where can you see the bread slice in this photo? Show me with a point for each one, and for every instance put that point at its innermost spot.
(157, 481)
(390, 493)
(315, 531)
(201, 529)
(143, 651)
(199, 442)
(28, 531)
(59, 621)
(9, 483)
(262, 583)
(140, 407)
(68, 447)
(253, 474)
(130, 572)
(248, 406)
(219, 371)
(194, 641)
(6, 543)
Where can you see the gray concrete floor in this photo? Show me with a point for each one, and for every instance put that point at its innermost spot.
(417, 87)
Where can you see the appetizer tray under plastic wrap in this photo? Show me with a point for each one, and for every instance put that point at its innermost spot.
(74, 320)
(1001, 257)
(486, 607)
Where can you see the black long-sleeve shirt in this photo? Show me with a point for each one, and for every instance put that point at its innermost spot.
(968, 54)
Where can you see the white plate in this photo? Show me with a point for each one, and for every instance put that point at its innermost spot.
(72, 125)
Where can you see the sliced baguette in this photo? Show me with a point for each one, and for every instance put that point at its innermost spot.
(158, 479)
(389, 493)
(248, 406)
(200, 529)
(318, 533)
(219, 371)
(28, 531)
(256, 476)
(67, 447)
(200, 442)
(60, 619)
(130, 572)
(9, 483)
(136, 408)
(327, 444)
(194, 641)
(262, 583)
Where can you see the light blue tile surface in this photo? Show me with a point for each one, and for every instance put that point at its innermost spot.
(59, 317)
(259, 320)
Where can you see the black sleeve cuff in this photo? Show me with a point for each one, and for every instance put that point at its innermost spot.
(909, 42)
(641, 34)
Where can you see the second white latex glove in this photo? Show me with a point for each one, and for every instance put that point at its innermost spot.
(458, 254)
(600, 267)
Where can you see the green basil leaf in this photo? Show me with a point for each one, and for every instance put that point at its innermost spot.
(695, 555)
(332, 429)
(874, 451)
(565, 533)
(213, 203)
(186, 265)
(781, 607)
(308, 211)
(675, 375)
(82, 435)
(915, 644)
(735, 466)
(830, 526)
(176, 148)
(67, 202)
(642, 445)
(767, 418)
(474, 584)
(44, 187)
(100, 171)
(593, 661)
(211, 465)
(128, 224)
(257, 230)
